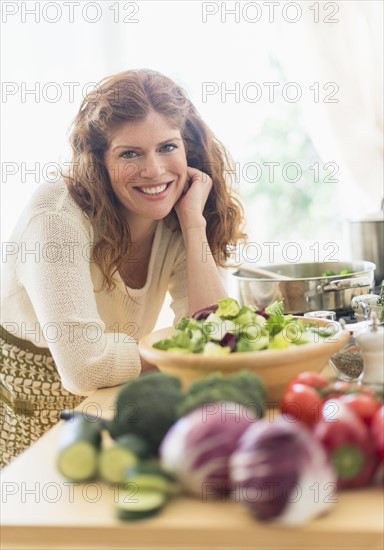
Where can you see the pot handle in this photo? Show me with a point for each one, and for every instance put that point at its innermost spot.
(343, 284)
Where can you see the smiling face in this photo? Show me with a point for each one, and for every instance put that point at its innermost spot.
(147, 166)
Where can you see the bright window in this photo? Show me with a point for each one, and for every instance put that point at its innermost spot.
(230, 58)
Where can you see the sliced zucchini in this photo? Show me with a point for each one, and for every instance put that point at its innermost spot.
(123, 454)
(140, 504)
(114, 461)
(79, 446)
(149, 477)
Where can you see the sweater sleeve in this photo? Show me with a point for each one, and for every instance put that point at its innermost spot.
(57, 278)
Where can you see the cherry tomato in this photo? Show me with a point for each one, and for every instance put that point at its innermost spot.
(363, 405)
(303, 403)
(377, 430)
(310, 378)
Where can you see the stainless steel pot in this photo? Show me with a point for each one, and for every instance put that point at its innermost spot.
(367, 241)
(307, 289)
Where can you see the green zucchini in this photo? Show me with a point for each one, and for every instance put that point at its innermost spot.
(124, 453)
(140, 504)
(79, 446)
(147, 476)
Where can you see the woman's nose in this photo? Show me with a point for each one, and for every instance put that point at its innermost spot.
(152, 167)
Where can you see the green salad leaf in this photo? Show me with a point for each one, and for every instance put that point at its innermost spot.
(230, 328)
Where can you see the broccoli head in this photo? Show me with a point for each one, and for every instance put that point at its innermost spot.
(146, 406)
(244, 387)
(250, 385)
(210, 381)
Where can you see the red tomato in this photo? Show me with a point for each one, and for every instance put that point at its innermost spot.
(303, 403)
(364, 405)
(377, 430)
(309, 378)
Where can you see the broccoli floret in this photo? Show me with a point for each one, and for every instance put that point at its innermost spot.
(250, 384)
(146, 406)
(245, 388)
(209, 381)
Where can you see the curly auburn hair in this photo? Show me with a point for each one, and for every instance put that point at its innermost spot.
(129, 97)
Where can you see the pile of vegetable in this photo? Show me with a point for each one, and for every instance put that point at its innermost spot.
(145, 409)
(347, 419)
(213, 441)
(271, 468)
(328, 437)
(226, 327)
(124, 450)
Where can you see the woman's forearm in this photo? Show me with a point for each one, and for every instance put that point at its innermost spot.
(204, 283)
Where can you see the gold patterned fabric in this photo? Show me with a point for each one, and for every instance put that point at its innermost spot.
(31, 395)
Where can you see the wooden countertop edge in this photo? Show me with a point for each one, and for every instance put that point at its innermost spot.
(118, 538)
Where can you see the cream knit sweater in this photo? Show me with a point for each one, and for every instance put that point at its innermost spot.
(51, 293)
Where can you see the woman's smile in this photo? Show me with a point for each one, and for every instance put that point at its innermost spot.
(154, 191)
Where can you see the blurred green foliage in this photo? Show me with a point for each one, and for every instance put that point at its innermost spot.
(306, 208)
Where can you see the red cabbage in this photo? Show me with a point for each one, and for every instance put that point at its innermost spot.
(197, 447)
(281, 472)
(263, 313)
(229, 340)
(203, 313)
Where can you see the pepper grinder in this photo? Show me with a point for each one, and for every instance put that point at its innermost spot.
(371, 342)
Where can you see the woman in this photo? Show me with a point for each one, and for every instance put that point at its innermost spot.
(145, 208)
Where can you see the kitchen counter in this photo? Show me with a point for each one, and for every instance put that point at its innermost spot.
(41, 510)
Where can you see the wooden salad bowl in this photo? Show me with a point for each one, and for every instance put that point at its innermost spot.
(276, 367)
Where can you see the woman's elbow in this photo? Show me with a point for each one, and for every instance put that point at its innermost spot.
(78, 387)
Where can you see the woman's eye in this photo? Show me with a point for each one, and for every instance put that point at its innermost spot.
(168, 147)
(128, 154)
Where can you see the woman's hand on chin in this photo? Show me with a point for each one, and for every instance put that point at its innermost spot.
(189, 208)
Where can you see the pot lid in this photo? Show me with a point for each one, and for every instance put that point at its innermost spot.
(376, 217)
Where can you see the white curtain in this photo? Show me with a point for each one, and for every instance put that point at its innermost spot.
(335, 50)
